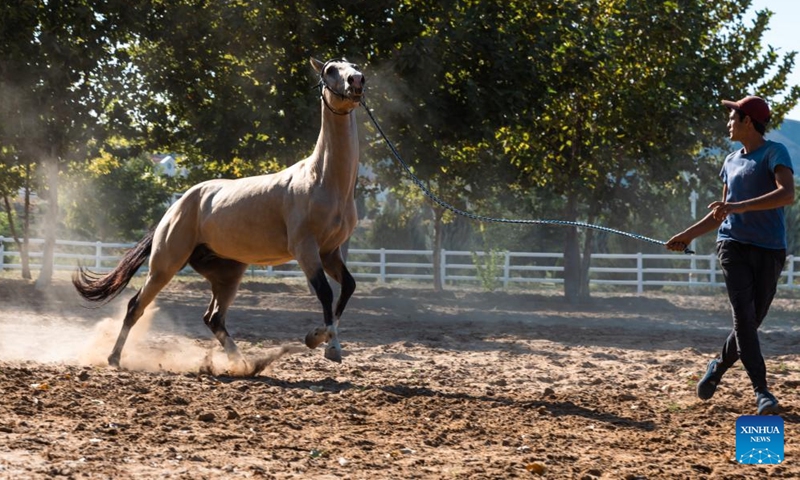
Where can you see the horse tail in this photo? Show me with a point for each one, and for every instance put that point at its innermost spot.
(104, 288)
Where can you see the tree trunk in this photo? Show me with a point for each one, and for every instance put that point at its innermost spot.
(572, 267)
(586, 262)
(26, 224)
(438, 281)
(51, 223)
(594, 212)
(573, 271)
(20, 245)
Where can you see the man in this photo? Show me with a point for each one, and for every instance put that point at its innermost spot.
(751, 241)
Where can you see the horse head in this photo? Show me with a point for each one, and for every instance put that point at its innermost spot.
(341, 84)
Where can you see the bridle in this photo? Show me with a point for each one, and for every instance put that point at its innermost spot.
(323, 85)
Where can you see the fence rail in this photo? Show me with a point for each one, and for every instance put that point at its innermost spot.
(637, 270)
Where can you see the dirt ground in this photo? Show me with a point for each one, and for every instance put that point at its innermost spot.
(462, 384)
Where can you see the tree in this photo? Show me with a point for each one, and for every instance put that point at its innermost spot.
(62, 62)
(451, 73)
(633, 99)
(16, 175)
(17, 134)
(109, 199)
(603, 104)
(579, 110)
(227, 85)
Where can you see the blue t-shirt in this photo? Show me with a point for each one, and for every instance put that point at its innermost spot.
(750, 175)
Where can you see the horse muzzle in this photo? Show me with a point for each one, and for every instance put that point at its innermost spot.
(355, 87)
(355, 97)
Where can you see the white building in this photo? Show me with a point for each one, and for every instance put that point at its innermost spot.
(167, 166)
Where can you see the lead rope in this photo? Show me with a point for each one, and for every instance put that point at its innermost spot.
(482, 218)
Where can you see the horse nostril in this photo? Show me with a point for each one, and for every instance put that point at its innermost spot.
(356, 81)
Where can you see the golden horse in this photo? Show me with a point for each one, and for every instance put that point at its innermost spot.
(219, 227)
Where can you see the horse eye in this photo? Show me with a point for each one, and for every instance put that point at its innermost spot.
(331, 71)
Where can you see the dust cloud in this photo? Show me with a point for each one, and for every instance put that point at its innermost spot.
(64, 339)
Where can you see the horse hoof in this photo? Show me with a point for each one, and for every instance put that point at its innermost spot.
(113, 362)
(316, 336)
(333, 354)
(236, 359)
(241, 368)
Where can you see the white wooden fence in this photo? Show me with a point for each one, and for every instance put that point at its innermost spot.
(636, 270)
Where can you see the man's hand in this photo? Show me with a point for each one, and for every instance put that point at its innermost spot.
(721, 210)
(679, 242)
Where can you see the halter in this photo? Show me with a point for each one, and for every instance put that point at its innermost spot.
(322, 85)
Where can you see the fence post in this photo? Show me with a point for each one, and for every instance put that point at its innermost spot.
(2, 252)
(639, 274)
(712, 266)
(789, 272)
(98, 253)
(383, 265)
(443, 267)
(506, 269)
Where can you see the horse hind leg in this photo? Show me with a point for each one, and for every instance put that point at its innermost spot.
(224, 276)
(214, 318)
(153, 284)
(170, 251)
(131, 316)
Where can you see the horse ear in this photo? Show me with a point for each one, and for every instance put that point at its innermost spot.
(316, 64)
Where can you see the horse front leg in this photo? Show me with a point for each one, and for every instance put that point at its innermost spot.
(309, 260)
(330, 332)
(333, 264)
(335, 267)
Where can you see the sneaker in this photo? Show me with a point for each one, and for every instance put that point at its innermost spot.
(767, 403)
(708, 384)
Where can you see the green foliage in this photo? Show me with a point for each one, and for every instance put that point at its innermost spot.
(11, 175)
(632, 100)
(16, 176)
(398, 227)
(490, 265)
(112, 200)
(606, 112)
(63, 66)
(10, 182)
(5, 229)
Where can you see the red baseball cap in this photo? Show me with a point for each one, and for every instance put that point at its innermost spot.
(752, 106)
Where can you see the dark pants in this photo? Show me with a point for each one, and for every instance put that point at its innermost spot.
(751, 277)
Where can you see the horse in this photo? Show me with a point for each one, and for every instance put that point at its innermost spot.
(219, 227)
